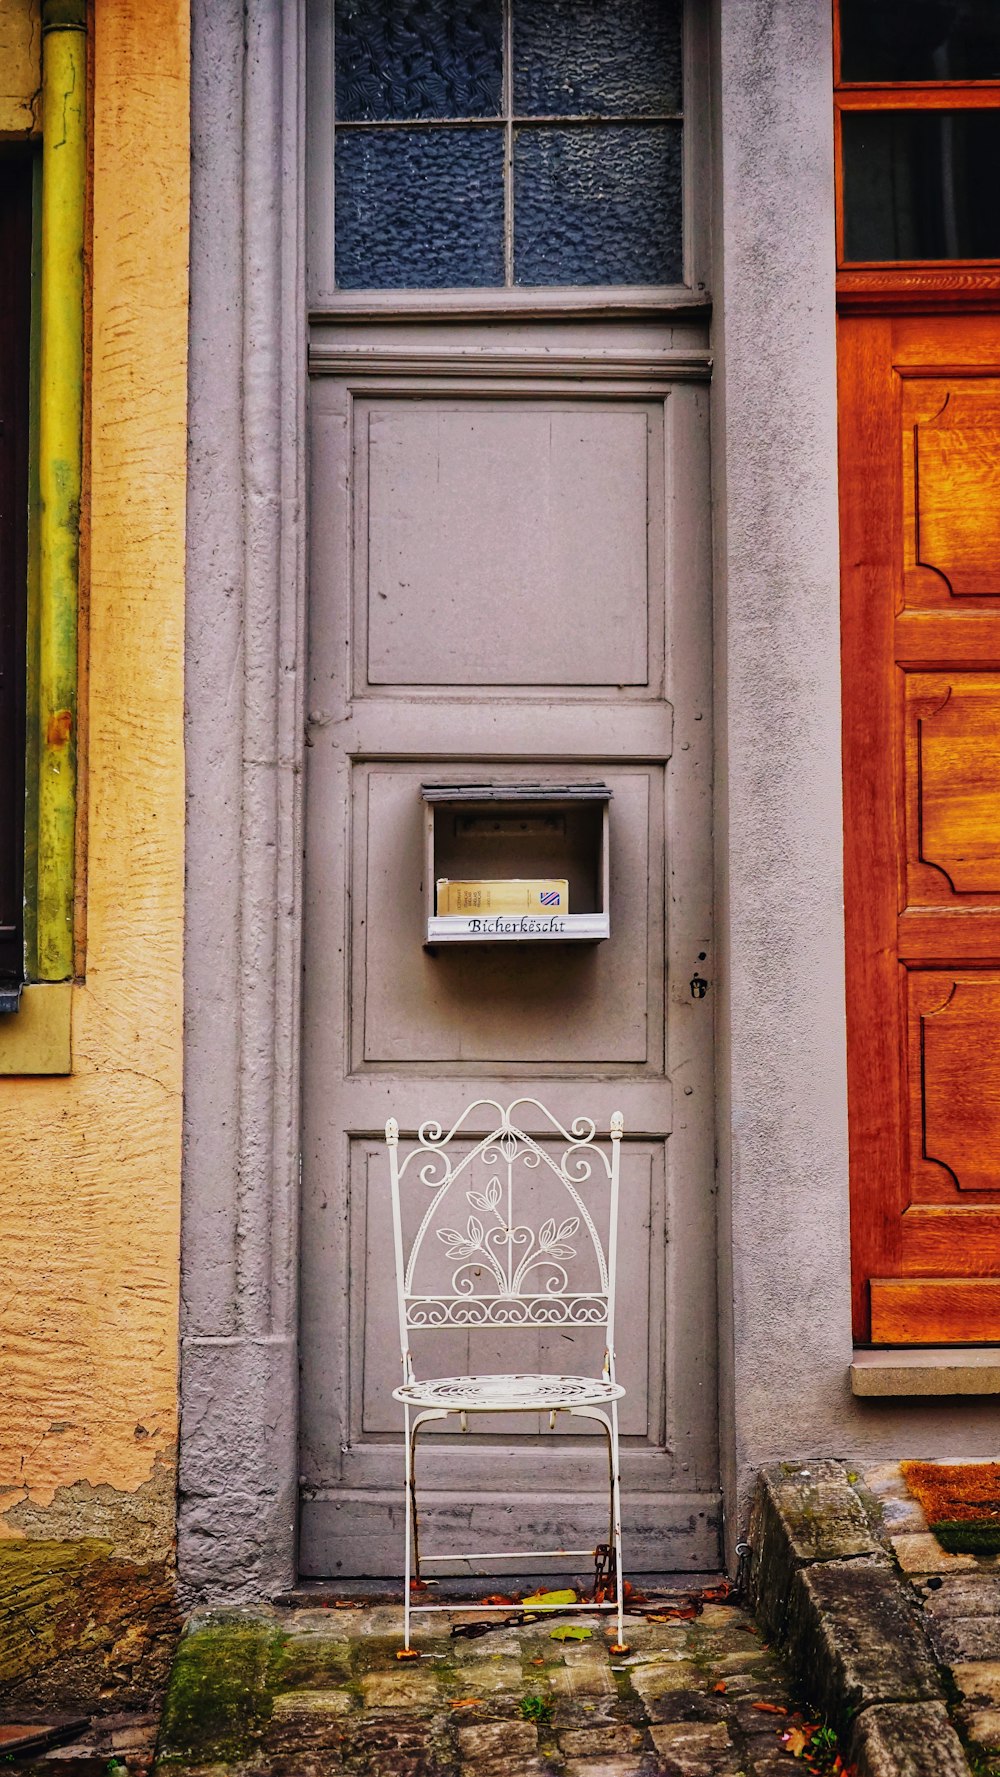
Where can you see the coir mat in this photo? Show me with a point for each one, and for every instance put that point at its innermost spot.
(961, 1502)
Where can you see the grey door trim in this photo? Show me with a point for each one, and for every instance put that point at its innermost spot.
(244, 737)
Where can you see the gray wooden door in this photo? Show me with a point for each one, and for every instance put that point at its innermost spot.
(509, 579)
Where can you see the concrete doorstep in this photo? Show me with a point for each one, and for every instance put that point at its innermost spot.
(826, 1589)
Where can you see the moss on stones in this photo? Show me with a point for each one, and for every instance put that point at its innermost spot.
(221, 1691)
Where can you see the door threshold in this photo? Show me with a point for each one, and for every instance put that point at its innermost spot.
(314, 1594)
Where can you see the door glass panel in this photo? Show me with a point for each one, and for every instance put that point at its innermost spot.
(454, 167)
(416, 58)
(577, 58)
(921, 184)
(598, 206)
(419, 208)
(919, 40)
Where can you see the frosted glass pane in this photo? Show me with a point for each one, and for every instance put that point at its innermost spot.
(576, 58)
(419, 209)
(418, 58)
(598, 205)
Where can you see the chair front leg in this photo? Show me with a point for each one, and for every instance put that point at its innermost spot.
(616, 1517)
(614, 1502)
(411, 1532)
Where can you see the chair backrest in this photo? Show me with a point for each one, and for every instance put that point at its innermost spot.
(502, 1226)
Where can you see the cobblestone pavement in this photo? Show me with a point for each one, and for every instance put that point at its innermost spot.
(320, 1693)
(960, 1596)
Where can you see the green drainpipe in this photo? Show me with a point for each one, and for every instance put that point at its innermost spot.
(60, 453)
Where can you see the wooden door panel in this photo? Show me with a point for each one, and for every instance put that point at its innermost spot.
(954, 1083)
(953, 786)
(963, 1238)
(410, 1007)
(935, 1311)
(506, 543)
(957, 462)
(920, 526)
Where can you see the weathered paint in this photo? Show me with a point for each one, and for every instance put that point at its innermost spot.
(91, 1163)
(20, 67)
(64, 171)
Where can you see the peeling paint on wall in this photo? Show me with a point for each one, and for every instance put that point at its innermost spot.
(20, 66)
(89, 1264)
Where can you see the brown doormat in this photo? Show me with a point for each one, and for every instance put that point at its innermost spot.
(961, 1503)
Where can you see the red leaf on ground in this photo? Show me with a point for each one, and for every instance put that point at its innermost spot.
(720, 1686)
(769, 1708)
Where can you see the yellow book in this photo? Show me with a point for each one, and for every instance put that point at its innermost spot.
(503, 895)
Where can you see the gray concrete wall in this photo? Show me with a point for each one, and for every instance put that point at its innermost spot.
(784, 1231)
(238, 1471)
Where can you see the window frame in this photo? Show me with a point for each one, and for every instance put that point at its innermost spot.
(20, 346)
(534, 301)
(886, 95)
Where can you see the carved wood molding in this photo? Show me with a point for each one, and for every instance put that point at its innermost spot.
(918, 289)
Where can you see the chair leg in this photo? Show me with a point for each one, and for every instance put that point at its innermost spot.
(408, 1506)
(616, 1516)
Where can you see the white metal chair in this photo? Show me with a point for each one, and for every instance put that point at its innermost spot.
(507, 1268)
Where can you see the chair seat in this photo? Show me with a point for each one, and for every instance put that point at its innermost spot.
(496, 1394)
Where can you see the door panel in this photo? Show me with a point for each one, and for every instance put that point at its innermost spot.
(509, 580)
(411, 1006)
(920, 493)
(505, 543)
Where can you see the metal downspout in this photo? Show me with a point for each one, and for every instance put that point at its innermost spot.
(64, 70)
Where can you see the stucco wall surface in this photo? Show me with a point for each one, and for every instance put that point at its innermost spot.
(20, 66)
(784, 1238)
(89, 1265)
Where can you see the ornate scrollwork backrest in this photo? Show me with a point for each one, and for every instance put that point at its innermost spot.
(507, 1269)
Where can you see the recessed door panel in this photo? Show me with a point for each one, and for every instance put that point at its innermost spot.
(512, 1006)
(508, 543)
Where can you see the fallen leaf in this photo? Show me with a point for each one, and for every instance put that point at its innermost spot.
(720, 1686)
(465, 1702)
(538, 1662)
(769, 1708)
(499, 1598)
(795, 1742)
(549, 1600)
(717, 1594)
(570, 1632)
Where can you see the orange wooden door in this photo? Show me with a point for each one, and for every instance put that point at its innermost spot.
(920, 539)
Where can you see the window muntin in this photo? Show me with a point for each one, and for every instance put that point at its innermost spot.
(507, 143)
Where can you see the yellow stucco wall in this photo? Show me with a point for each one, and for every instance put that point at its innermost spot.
(20, 66)
(90, 1168)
